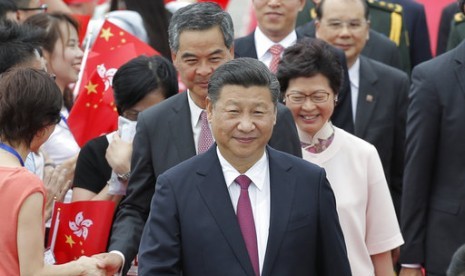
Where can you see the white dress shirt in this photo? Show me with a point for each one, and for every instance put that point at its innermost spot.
(354, 77)
(263, 44)
(259, 194)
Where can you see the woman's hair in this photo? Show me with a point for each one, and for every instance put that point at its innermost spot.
(141, 76)
(50, 23)
(307, 58)
(29, 101)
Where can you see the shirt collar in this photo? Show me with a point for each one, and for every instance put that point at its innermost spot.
(263, 43)
(354, 73)
(324, 133)
(195, 110)
(255, 173)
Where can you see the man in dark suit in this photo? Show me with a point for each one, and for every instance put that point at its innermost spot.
(271, 31)
(447, 17)
(379, 92)
(377, 47)
(433, 213)
(415, 21)
(201, 37)
(205, 221)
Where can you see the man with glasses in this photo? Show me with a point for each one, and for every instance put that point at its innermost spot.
(379, 92)
(28, 8)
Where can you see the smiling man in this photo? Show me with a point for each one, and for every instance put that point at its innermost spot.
(378, 92)
(243, 208)
(201, 39)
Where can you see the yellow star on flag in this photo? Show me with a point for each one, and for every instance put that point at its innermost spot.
(69, 240)
(91, 88)
(106, 34)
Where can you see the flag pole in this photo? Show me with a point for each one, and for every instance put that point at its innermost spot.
(55, 230)
(83, 64)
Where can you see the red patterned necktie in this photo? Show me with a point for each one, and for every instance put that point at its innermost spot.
(205, 138)
(246, 221)
(275, 51)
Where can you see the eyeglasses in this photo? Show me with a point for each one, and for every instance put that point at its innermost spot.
(353, 25)
(315, 97)
(42, 8)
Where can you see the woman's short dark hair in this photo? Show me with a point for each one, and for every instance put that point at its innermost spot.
(139, 77)
(29, 101)
(307, 58)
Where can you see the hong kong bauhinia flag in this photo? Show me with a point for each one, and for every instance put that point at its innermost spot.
(94, 112)
(80, 228)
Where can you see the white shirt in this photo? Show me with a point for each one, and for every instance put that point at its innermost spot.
(263, 44)
(259, 194)
(61, 145)
(195, 120)
(354, 76)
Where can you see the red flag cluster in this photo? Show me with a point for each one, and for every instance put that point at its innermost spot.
(94, 112)
(80, 228)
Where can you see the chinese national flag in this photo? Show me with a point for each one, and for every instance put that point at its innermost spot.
(112, 37)
(83, 228)
(94, 112)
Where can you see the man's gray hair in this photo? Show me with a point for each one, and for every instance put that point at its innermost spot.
(198, 17)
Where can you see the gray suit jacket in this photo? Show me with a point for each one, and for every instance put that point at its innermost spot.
(164, 138)
(193, 228)
(433, 203)
(380, 117)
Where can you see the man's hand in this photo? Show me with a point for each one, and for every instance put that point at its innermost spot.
(110, 262)
(405, 271)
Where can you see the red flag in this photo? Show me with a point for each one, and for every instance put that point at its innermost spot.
(83, 21)
(111, 37)
(94, 112)
(82, 227)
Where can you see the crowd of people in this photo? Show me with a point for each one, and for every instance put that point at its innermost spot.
(317, 146)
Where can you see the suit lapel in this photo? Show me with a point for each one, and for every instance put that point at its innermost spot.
(282, 189)
(245, 47)
(181, 128)
(460, 66)
(213, 190)
(367, 96)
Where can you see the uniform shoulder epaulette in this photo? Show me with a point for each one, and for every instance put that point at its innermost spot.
(385, 6)
(459, 18)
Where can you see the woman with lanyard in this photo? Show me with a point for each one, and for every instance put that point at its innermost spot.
(22, 195)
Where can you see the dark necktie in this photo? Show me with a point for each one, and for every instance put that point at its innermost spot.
(205, 137)
(246, 221)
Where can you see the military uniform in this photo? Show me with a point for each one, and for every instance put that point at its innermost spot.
(386, 18)
(457, 31)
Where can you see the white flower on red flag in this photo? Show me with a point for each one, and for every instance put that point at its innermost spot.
(80, 226)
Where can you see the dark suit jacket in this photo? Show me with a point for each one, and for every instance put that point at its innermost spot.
(380, 118)
(415, 21)
(378, 47)
(193, 228)
(447, 16)
(164, 138)
(433, 213)
(342, 115)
